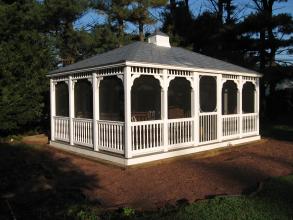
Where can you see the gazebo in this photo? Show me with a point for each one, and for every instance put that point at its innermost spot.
(148, 101)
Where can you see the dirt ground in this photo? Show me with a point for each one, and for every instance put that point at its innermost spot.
(230, 171)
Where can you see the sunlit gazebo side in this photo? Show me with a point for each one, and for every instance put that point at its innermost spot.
(150, 101)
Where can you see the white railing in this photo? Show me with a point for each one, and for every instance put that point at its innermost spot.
(61, 131)
(110, 136)
(230, 126)
(83, 131)
(249, 123)
(180, 131)
(207, 127)
(146, 136)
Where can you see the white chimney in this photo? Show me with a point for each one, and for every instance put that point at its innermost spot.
(160, 39)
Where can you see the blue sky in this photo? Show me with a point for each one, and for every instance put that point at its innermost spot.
(196, 6)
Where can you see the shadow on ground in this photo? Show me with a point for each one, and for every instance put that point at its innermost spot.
(35, 184)
(277, 130)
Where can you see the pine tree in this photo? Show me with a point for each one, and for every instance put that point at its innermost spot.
(268, 33)
(118, 13)
(99, 39)
(59, 16)
(25, 58)
(140, 13)
(178, 22)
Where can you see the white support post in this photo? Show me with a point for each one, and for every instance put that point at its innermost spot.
(164, 103)
(95, 111)
(71, 108)
(257, 104)
(52, 107)
(240, 107)
(195, 108)
(219, 107)
(127, 111)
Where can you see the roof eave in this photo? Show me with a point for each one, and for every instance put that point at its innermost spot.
(87, 69)
(195, 69)
(154, 65)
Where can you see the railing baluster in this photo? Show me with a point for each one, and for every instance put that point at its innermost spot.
(157, 136)
(136, 137)
(144, 136)
(140, 135)
(151, 135)
(84, 132)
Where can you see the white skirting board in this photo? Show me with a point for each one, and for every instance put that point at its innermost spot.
(120, 161)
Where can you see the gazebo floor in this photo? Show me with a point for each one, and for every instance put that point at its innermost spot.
(152, 156)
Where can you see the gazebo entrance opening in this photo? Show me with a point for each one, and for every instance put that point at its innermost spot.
(208, 109)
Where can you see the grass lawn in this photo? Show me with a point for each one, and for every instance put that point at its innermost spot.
(277, 130)
(274, 201)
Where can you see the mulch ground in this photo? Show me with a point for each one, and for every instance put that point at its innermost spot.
(230, 171)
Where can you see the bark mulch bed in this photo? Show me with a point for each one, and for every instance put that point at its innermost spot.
(230, 171)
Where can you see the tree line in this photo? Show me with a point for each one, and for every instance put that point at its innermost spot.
(40, 35)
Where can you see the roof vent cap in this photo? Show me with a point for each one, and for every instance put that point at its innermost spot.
(160, 39)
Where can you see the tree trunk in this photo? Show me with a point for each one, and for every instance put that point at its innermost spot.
(172, 6)
(272, 43)
(271, 36)
(187, 5)
(120, 32)
(262, 51)
(141, 34)
(229, 11)
(220, 12)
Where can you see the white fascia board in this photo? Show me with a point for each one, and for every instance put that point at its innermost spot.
(86, 70)
(199, 70)
(152, 65)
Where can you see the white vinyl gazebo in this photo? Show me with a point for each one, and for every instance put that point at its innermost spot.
(150, 101)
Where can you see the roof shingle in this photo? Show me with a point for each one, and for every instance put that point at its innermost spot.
(150, 53)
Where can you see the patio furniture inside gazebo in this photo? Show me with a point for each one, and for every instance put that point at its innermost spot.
(150, 101)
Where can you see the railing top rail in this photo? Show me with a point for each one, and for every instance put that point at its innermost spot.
(83, 119)
(61, 117)
(110, 122)
(208, 113)
(180, 120)
(230, 116)
(250, 114)
(147, 122)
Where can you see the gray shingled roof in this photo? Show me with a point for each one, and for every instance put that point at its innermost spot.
(150, 53)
